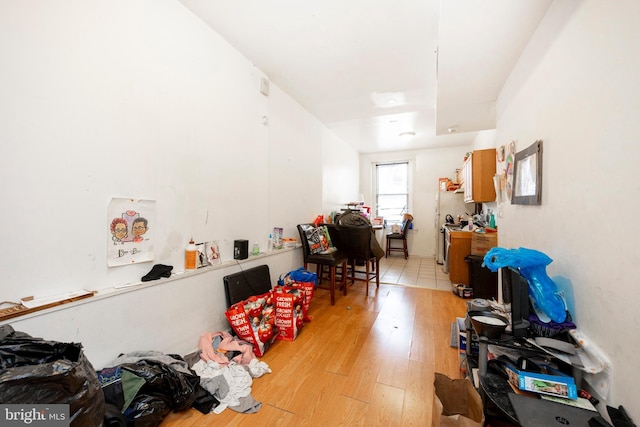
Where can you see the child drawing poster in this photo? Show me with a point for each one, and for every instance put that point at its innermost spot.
(130, 227)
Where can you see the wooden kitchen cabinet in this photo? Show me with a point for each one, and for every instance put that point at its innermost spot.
(460, 247)
(477, 174)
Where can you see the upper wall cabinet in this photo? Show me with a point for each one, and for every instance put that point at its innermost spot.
(477, 174)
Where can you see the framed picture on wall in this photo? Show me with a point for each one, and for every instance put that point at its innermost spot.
(527, 176)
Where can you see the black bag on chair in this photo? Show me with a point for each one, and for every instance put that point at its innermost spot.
(357, 220)
(361, 246)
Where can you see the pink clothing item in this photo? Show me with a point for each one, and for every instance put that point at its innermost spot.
(227, 343)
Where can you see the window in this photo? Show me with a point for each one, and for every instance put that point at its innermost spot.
(392, 190)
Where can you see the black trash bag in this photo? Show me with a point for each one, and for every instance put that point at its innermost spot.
(204, 401)
(35, 371)
(165, 382)
(164, 389)
(113, 417)
(21, 349)
(146, 411)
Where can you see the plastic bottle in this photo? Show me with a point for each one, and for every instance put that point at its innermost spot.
(256, 249)
(270, 243)
(190, 256)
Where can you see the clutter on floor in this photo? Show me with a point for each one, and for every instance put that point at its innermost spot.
(523, 352)
(142, 387)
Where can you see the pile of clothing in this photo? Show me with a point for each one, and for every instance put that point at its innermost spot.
(138, 388)
(141, 388)
(226, 369)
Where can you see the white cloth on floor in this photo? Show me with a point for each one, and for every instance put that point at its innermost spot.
(237, 377)
(258, 369)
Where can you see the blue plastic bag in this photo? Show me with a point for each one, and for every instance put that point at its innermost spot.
(532, 265)
(301, 275)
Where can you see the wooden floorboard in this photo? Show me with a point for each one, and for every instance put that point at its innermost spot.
(366, 361)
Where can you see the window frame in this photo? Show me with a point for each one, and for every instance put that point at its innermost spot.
(409, 193)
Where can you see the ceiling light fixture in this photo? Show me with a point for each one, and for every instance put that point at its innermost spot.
(407, 136)
(452, 129)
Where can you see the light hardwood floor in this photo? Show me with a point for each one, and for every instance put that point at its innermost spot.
(366, 361)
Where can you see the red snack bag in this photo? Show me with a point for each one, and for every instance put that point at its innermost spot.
(307, 288)
(253, 321)
(289, 317)
(304, 280)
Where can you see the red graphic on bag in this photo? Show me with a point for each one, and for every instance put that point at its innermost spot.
(253, 320)
(306, 282)
(307, 288)
(289, 317)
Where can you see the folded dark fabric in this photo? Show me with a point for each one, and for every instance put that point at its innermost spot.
(158, 271)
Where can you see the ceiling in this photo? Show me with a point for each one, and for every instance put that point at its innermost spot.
(373, 69)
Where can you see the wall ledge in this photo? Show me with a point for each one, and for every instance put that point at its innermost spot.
(135, 286)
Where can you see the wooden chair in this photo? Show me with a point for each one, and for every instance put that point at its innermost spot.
(333, 261)
(401, 236)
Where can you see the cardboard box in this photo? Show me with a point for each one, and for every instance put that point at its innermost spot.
(482, 242)
(553, 384)
(461, 331)
(289, 242)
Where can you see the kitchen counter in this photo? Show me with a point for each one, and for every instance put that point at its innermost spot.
(459, 246)
(454, 227)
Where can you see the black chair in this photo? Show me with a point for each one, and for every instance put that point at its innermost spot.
(333, 260)
(355, 241)
(334, 235)
(401, 236)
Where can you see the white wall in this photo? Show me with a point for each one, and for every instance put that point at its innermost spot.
(312, 171)
(426, 166)
(341, 181)
(484, 139)
(142, 100)
(147, 103)
(576, 88)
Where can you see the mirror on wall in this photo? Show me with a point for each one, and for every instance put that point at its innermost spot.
(527, 176)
